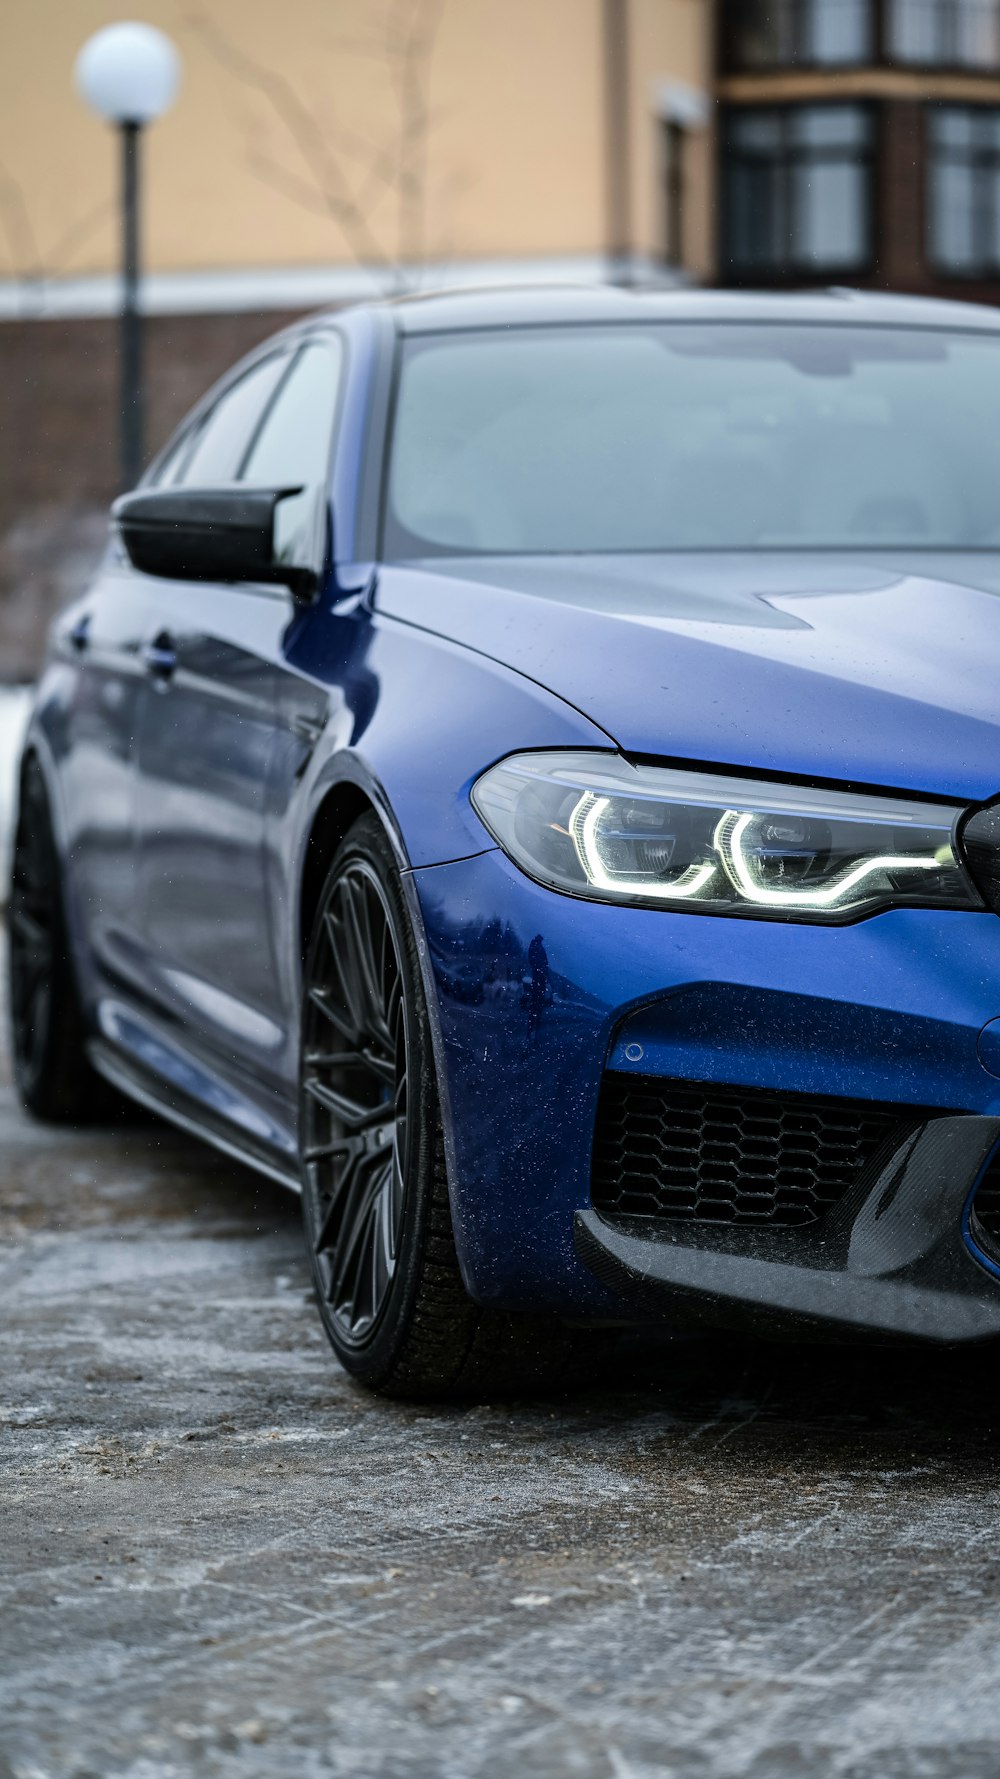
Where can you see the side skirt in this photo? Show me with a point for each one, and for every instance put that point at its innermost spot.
(170, 1103)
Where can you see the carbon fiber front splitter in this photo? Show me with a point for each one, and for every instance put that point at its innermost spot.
(901, 1255)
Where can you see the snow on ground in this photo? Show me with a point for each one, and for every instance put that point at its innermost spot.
(15, 703)
(219, 1559)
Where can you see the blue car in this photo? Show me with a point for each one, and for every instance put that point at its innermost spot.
(526, 774)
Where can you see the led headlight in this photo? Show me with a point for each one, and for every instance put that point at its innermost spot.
(594, 825)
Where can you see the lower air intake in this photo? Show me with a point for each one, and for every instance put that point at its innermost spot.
(702, 1154)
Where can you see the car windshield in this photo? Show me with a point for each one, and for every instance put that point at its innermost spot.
(695, 437)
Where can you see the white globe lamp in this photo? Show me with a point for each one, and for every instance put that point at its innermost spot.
(129, 74)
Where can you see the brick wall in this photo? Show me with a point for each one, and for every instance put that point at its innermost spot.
(899, 199)
(59, 447)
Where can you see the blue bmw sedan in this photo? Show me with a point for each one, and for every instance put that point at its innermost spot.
(526, 774)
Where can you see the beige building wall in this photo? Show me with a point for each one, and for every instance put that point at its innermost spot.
(672, 64)
(298, 136)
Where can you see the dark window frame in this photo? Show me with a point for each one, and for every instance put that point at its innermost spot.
(674, 141)
(944, 61)
(729, 62)
(984, 163)
(793, 271)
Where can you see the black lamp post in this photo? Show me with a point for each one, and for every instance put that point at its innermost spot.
(129, 74)
(133, 391)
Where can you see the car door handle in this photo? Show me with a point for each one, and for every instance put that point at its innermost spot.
(79, 636)
(160, 657)
(308, 728)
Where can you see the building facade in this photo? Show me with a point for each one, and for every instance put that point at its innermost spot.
(326, 140)
(859, 143)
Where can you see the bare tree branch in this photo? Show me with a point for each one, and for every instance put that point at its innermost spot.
(290, 185)
(355, 46)
(19, 233)
(29, 265)
(373, 158)
(453, 187)
(411, 37)
(403, 38)
(322, 161)
(77, 234)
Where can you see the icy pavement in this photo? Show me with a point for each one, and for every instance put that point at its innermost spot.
(219, 1558)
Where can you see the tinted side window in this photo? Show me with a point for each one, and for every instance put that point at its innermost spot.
(293, 448)
(169, 467)
(294, 442)
(224, 435)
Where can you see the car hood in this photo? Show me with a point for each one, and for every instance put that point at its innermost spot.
(867, 670)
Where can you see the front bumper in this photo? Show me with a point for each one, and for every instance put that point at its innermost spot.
(533, 995)
(892, 1259)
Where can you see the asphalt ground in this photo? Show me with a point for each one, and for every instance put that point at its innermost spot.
(218, 1557)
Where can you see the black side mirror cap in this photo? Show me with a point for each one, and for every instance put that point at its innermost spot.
(210, 534)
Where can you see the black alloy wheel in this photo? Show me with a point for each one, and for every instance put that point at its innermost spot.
(355, 1079)
(374, 1185)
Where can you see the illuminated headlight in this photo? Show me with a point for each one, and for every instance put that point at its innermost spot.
(593, 825)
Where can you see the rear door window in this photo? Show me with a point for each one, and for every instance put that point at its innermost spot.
(292, 449)
(293, 445)
(225, 433)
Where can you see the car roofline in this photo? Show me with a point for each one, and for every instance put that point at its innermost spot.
(464, 310)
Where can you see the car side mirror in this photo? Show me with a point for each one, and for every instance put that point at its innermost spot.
(222, 534)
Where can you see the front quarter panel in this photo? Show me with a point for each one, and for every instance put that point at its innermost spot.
(422, 717)
(410, 720)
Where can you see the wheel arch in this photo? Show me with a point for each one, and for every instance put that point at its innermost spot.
(36, 752)
(332, 820)
(347, 790)
(37, 749)
(342, 803)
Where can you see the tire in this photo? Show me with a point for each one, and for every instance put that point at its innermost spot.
(54, 1080)
(374, 1189)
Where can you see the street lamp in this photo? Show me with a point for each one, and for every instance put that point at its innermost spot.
(129, 74)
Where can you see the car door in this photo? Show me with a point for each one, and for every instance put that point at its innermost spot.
(98, 644)
(206, 736)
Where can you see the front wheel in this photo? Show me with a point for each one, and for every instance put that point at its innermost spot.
(375, 1195)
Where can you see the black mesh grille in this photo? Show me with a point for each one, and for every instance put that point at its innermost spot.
(708, 1154)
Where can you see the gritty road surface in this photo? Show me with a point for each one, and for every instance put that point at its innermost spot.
(219, 1558)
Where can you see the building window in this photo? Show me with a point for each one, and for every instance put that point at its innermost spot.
(797, 190)
(964, 190)
(762, 34)
(944, 33)
(673, 192)
(783, 33)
